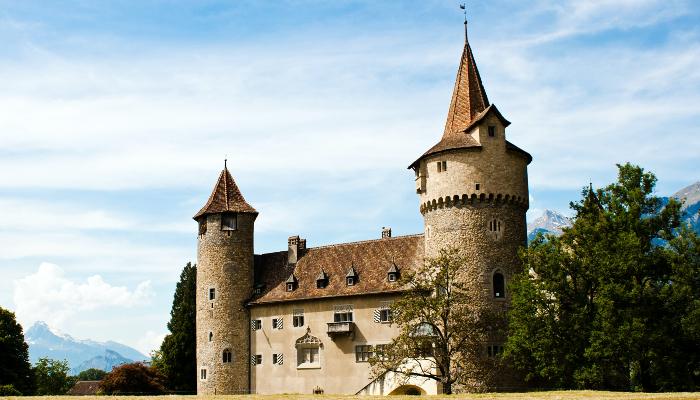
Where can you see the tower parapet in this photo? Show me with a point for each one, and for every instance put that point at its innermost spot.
(225, 272)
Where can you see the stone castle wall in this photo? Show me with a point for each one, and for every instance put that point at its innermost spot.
(225, 263)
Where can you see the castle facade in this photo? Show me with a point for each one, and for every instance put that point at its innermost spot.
(306, 319)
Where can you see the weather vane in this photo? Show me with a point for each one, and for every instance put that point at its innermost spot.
(464, 7)
(225, 159)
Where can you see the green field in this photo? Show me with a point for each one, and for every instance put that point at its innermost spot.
(554, 395)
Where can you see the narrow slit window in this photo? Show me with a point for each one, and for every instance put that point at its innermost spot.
(499, 286)
(444, 166)
(492, 131)
(227, 356)
(439, 166)
(212, 294)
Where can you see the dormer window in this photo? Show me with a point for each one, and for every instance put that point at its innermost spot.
(291, 283)
(229, 221)
(492, 131)
(322, 280)
(351, 277)
(393, 273)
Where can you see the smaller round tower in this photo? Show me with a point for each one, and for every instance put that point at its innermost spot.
(225, 264)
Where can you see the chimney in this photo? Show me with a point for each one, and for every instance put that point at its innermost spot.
(295, 244)
(386, 233)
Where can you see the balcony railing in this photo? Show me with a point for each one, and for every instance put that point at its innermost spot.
(338, 328)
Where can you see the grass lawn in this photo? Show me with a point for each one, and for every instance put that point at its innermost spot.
(555, 395)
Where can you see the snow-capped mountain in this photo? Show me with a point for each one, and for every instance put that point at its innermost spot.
(549, 222)
(691, 195)
(46, 341)
(106, 362)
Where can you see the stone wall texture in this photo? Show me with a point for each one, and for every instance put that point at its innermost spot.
(225, 262)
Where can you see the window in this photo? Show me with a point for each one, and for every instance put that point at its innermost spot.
(321, 284)
(212, 294)
(351, 281)
(203, 225)
(277, 359)
(495, 225)
(310, 355)
(386, 315)
(257, 291)
(362, 353)
(290, 287)
(298, 317)
(494, 351)
(380, 350)
(277, 323)
(229, 222)
(298, 321)
(256, 359)
(492, 131)
(211, 336)
(392, 277)
(477, 186)
(342, 317)
(499, 286)
(203, 374)
(256, 324)
(227, 356)
(442, 166)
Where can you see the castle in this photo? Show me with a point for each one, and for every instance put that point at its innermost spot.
(305, 320)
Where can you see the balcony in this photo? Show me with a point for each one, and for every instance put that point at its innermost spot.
(341, 328)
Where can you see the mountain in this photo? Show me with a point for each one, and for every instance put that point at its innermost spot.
(549, 222)
(691, 195)
(45, 341)
(105, 362)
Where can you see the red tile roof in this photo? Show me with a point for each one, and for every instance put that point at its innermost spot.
(226, 197)
(370, 259)
(84, 388)
(468, 97)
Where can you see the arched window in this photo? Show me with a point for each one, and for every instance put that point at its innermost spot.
(227, 356)
(499, 285)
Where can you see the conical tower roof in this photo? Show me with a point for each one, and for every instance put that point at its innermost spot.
(226, 197)
(468, 97)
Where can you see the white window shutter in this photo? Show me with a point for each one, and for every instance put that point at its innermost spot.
(252, 360)
(377, 315)
(279, 323)
(252, 324)
(279, 359)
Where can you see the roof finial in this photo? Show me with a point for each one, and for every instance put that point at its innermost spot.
(464, 7)
(225, 159)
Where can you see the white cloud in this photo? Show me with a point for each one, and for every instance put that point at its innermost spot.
(151, 341)
(47, 296)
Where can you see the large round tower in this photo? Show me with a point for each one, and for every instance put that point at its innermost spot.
(473, 188)
(225, 264)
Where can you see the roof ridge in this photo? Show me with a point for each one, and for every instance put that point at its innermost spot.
(226, 197)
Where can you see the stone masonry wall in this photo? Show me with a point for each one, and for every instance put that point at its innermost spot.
(224, 262)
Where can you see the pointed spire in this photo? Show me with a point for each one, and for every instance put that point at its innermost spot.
(226, 197)
(468, 97)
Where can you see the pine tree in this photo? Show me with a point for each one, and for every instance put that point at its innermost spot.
(613, 302)
(178, 351)
(15, 368)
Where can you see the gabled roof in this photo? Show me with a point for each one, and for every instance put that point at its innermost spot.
(226, 197)
(369, 259)
(393, 269)
(322, 276)
(468, 96)
(352, 273)
(292, 279)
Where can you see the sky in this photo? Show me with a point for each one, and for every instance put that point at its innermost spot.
(117, 117)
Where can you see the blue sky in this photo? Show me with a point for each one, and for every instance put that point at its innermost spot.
(116, 117)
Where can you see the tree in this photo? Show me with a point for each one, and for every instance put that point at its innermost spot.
(442, 327)
(51, 377)
(136, 378)
(178, 357)
(15, 368)
(613, 302)
(92, 374)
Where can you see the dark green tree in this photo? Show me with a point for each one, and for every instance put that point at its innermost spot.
(51, 377)
(92, 374)
(442, 327)
(178, 358)
(612, 303)
(133, 379)
(15, 368)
